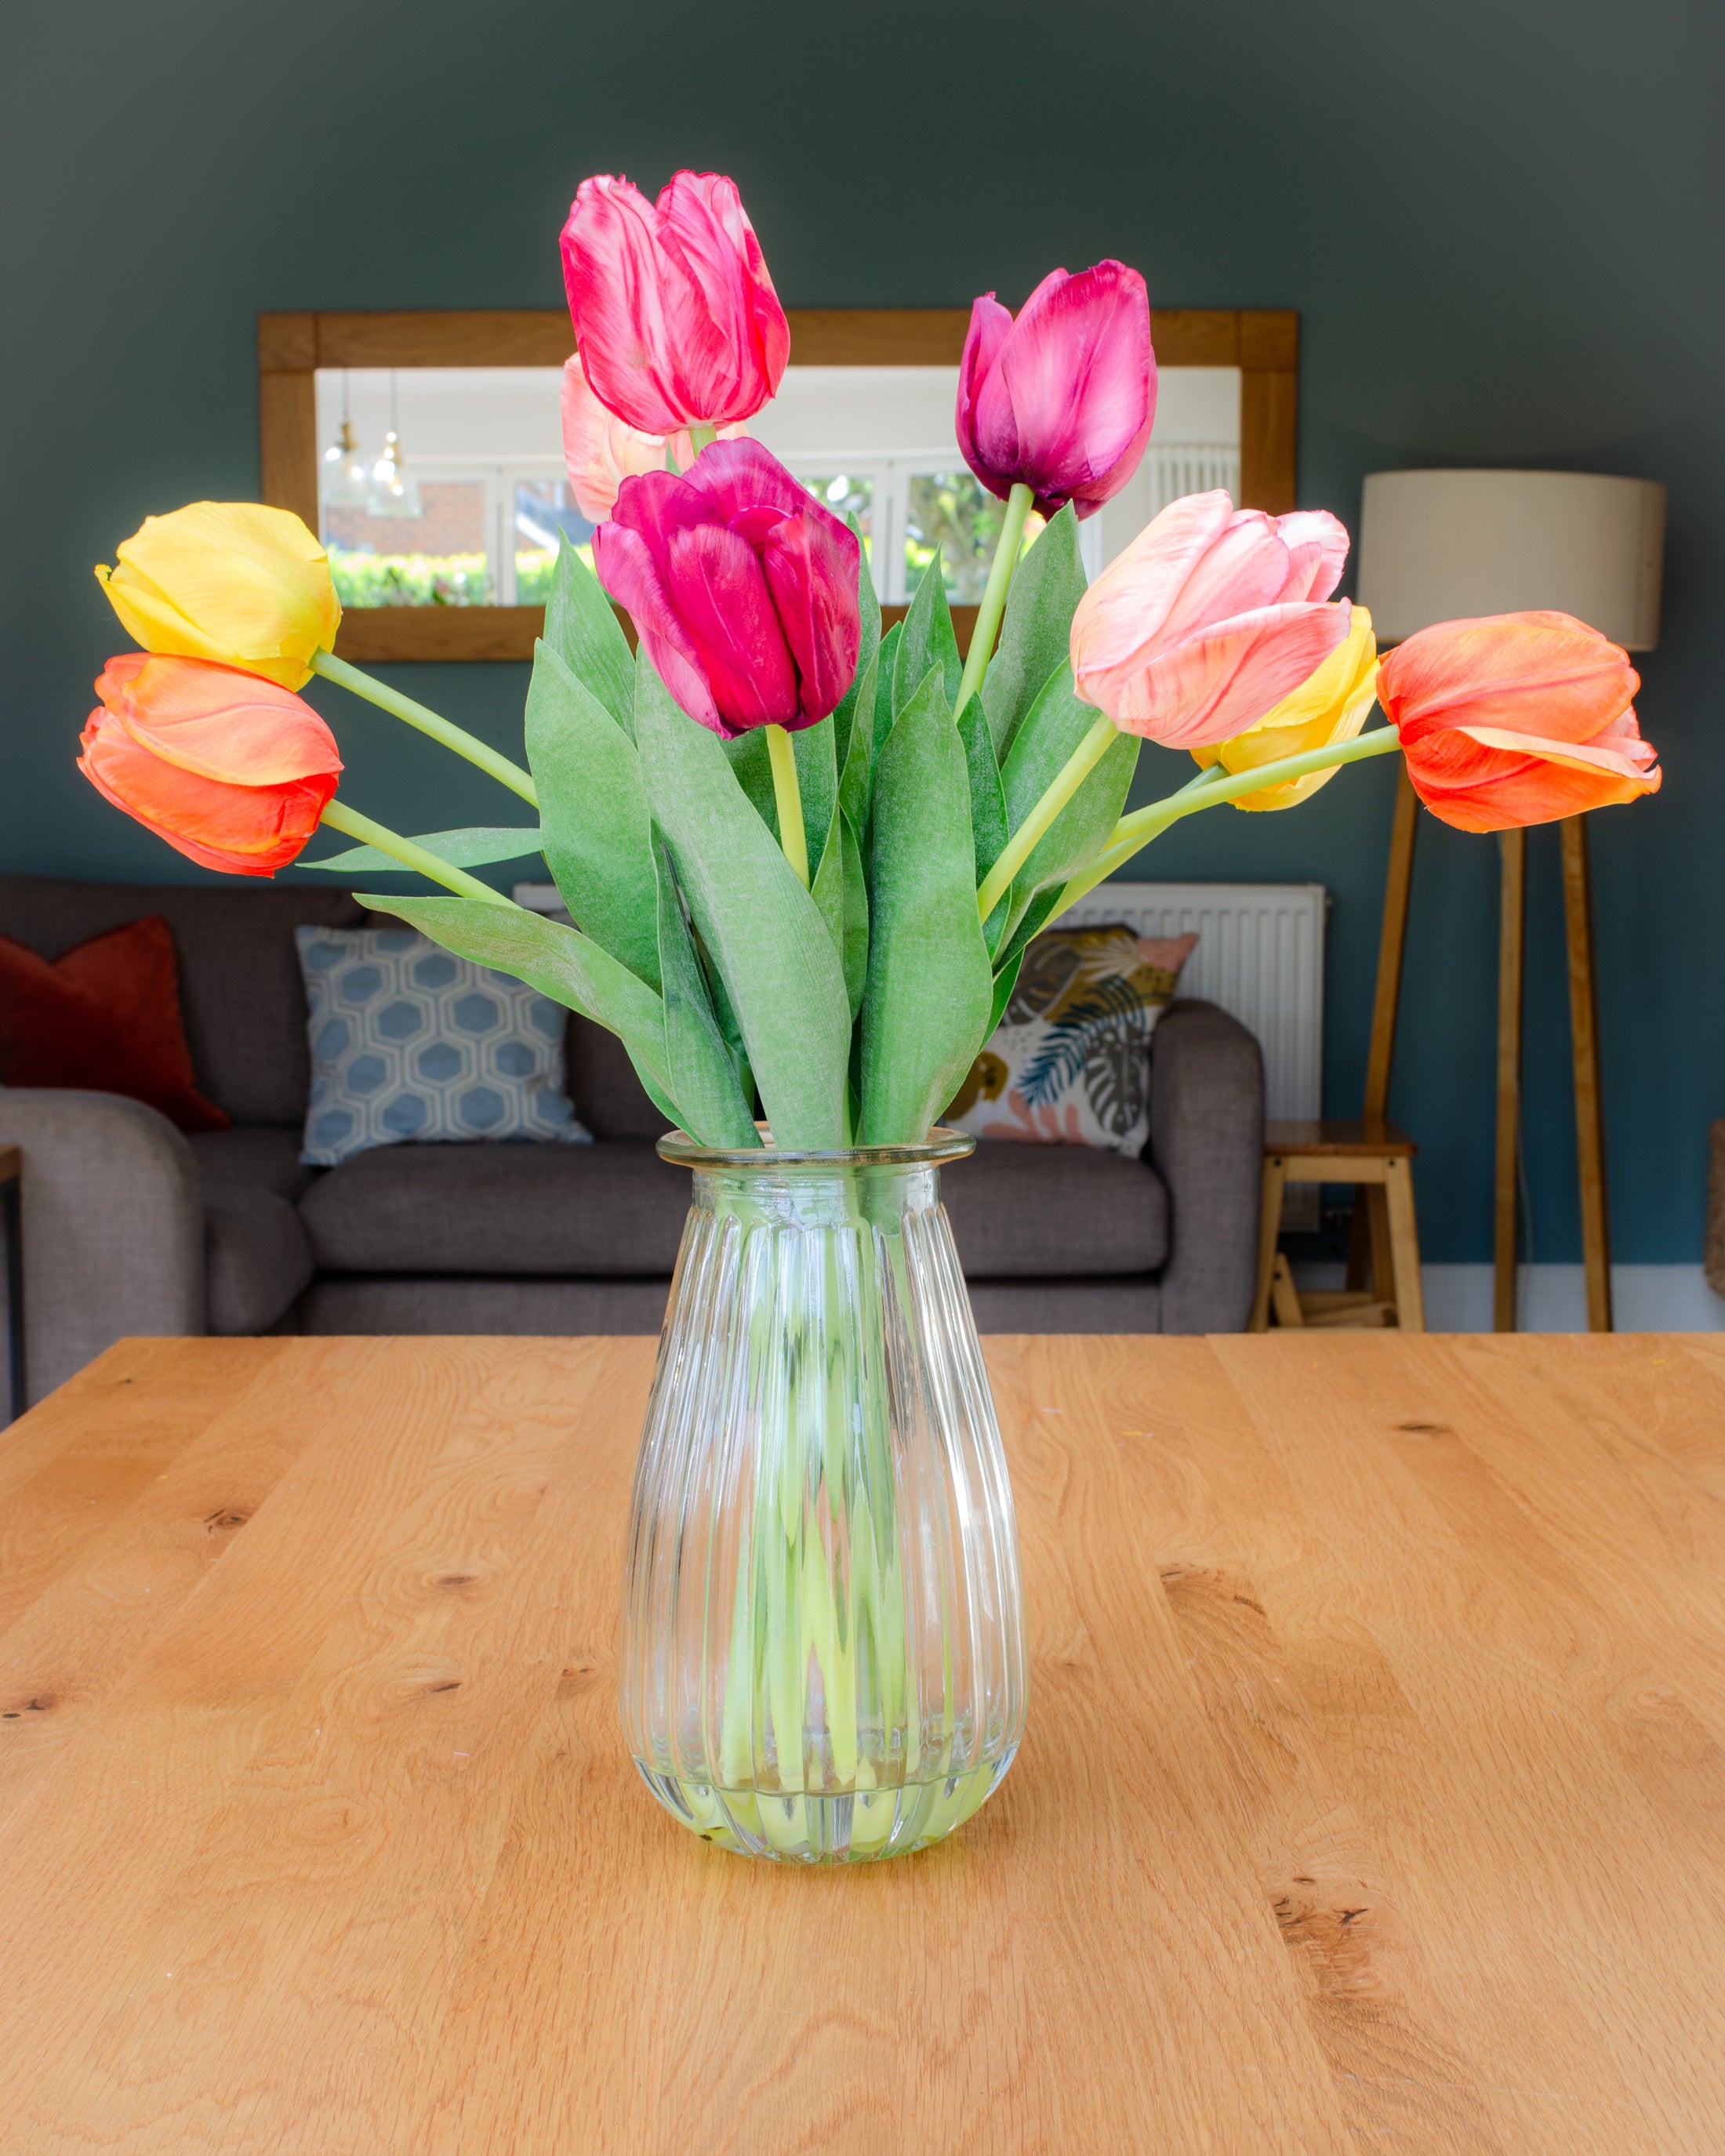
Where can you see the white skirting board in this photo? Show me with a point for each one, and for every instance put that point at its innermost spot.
(1554, 1298)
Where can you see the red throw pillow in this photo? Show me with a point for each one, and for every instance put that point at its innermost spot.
(104, 1018)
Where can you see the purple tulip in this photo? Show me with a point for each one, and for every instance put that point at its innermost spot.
(1063, 398)
(742, 586)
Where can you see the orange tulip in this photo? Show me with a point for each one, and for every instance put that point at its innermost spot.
(1515, 719)
(229, 768)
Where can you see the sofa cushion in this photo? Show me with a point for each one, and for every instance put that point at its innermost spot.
(239, 976)
(493, 1209)
(1044, 1212)
(256, 1254)
(253, 1153)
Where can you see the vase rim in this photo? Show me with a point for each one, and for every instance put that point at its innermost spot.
(942, 1144)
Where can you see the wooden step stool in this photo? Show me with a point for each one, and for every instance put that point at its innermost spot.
(1375, 1154)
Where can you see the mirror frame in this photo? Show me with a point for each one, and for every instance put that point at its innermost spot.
(1263, 342)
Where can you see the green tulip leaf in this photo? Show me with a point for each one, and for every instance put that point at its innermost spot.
(470, 849)
(594, 808)
(886, 674)
(1005, 981)
(1029, 923)
(987, 801)
(856, 772)
(763, 929)
(1054, 725)
(703, 1076)
(749, 758)
(927, 641)
(818, 784)
(869, 610)
(1035, 630)
(856, 914)
(561, 962)
(925, 1007)
(581, 626)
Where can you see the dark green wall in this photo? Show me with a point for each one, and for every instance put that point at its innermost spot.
(1501, 222)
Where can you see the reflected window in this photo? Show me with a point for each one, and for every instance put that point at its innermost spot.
(445, 486)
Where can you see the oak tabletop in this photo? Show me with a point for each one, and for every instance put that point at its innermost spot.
(1372, 1797)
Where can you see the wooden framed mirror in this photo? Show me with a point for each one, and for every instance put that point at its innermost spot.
(426, 450)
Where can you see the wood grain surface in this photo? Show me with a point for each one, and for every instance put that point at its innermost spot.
(1373, 1794)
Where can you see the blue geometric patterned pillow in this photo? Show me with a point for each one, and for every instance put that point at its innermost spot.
(410, 1043)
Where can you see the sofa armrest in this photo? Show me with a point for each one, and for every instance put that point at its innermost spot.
(113, 1227)
(1207, 1144)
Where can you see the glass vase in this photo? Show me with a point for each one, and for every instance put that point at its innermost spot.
(822, 1653)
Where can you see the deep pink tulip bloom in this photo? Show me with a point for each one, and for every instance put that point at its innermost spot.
(1209, 618)
(1063, 398)
(675, 317)
(743, 587)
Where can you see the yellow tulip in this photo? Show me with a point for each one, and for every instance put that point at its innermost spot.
(1329, 705)
(231, 581)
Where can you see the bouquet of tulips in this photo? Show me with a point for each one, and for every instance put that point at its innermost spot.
(804, 860)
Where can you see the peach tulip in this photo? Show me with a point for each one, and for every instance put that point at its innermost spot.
(600, 450)
(1333, 705)
(229, 581)
(1517, 719)
(675, 316)
(231, 769)
(1209, 618)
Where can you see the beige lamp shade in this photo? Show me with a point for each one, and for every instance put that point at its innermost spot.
(1442, 546)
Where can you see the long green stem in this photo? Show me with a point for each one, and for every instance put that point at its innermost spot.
(699, 435)
(1132, 833)
(441, 730)
(1023, 842)
(341, 818)
(788, 797)
(988, 613)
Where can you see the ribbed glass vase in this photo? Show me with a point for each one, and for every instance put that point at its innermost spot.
(822, 1646)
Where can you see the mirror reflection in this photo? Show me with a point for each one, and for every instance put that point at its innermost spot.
(445, 486)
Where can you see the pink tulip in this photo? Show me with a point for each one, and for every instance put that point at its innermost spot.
(1209, 618)
(675, 316)
(1063, 398)
(600, 450)
(743, 587)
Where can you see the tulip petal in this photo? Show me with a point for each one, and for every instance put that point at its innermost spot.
(629, 569)
(247, 830)
(1125, 608)
(1245, 569)
(1079, 375)
(811, 572)
(990, 325)
(1317, 552)
(1541, 673)
(736, 477)
(220, 722)
(600, 450)
(719, 588)
(1212, 685)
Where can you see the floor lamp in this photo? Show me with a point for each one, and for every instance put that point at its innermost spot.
(1442, 546)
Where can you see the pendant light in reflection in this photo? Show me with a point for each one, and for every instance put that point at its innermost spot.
(394, 494)
(346, 477)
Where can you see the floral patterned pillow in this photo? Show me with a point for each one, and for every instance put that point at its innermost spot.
(1070, 1062)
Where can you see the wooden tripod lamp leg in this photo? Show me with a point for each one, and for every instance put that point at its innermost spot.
(1370, 1249)
(1511, 920)
(1584, 1042)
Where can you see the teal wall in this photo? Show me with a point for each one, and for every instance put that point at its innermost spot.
(1500, 221)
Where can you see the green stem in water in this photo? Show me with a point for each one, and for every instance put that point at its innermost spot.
(1132, 833)
(1023, 842)
(340, 818)
(788, 797)
(441, 730)
(988, 613)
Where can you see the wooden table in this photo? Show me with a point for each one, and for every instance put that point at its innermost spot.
(1374, 1797)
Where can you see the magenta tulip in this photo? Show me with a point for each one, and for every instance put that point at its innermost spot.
(675, 317)
(742, 586)
(1209, 618)
(1063, 398)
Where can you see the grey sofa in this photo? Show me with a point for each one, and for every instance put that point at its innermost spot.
(129, 1227)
